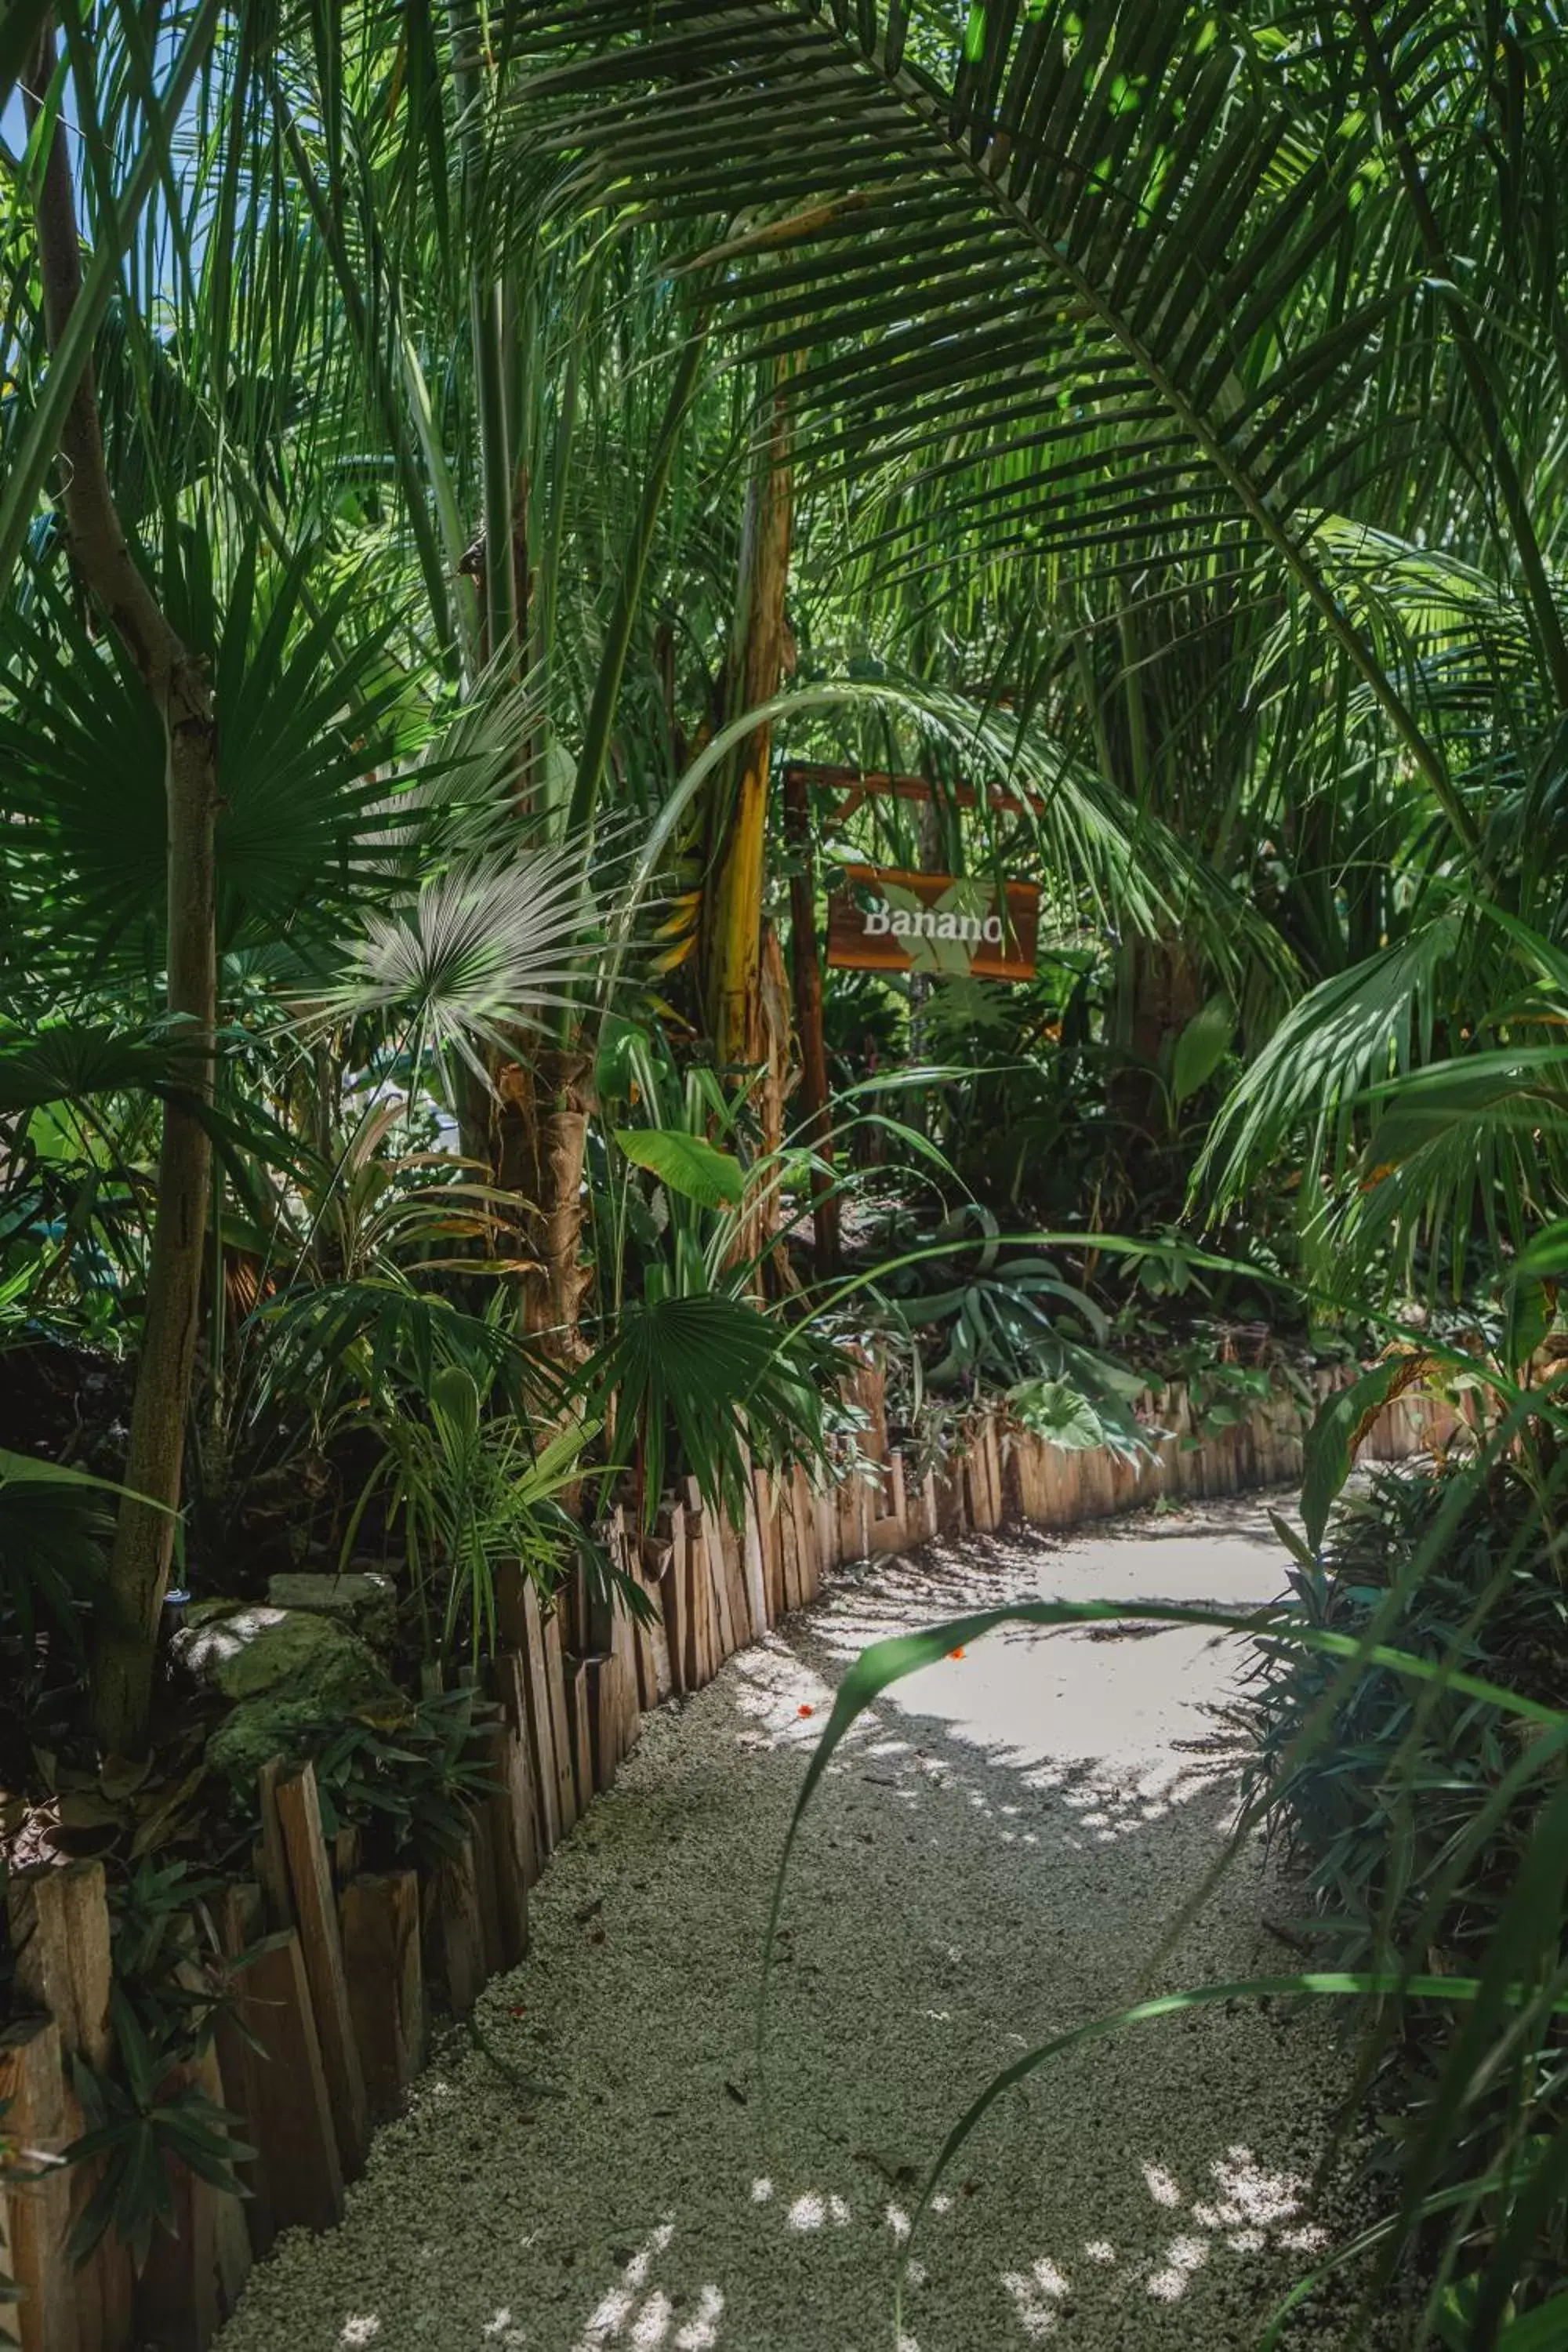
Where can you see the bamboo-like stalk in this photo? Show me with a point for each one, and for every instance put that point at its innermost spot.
(817, 1128)
(29, 460)
(596, 733)
(488, 331)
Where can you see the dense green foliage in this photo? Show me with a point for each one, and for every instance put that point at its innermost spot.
(1422, 1814)
(449, 457)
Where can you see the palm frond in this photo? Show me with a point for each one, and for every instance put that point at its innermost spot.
(1113, 248)
(1351, 1034)
(483, 947)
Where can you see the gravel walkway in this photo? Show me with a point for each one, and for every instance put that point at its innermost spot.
(989, 1863)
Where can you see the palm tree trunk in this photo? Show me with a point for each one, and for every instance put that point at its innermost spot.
(1160, 988)
(126, 1640)
(542, 1137)
(762, 653)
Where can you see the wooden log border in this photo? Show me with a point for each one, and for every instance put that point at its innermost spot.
(335, 2008)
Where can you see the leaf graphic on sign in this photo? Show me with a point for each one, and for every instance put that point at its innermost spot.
(964, 896)
(908, 902)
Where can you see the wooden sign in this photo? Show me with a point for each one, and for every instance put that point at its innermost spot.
(880, 920)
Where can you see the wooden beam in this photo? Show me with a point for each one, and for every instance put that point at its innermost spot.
(293, 2116)
(38, 2214)
(805, 968)
(57, 1921)
(517, 1772)
(560, 1725)
(379, 1916)
(859, 783)
(580, 1706)
(452, 1928)
(310, 1880)
(193, 2280)
(240, 1925)
(541, 1728)
(270, 1860)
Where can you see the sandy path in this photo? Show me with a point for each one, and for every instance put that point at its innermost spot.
(990, 1864)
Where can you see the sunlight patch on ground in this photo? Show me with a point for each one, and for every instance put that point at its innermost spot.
(699, 2334)
(1093, 1715)
(1036, 2295)
(1248, 2218)
(1248, 2213)
(1247, 2209)
(782, 1702)
(643, 2317)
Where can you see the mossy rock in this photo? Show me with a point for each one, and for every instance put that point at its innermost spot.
(295, 1678)
(247, 1650)
(204, 1612)
(364, 1598)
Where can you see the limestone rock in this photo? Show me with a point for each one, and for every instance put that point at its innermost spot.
(295, 1677)
(365, 1600)
(249, 1650)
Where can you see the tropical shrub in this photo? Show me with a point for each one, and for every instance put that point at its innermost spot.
(1417, 1812)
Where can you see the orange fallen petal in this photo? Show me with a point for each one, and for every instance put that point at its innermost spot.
(807, 1710)
(955, 1654)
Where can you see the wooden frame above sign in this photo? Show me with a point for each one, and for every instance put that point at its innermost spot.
(882, 918)
(852, 786)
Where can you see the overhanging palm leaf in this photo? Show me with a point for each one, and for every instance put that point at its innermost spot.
(1111, 242)
(1354, 1031)
(70, 1061)
(1433, 1124)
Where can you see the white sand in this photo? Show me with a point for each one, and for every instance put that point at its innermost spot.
(991, 1862)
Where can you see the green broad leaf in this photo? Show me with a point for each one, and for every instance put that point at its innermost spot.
(688, 1164)
(32, 1470)
(1546, 1257)
(1060, 1414)
(1545, 2330)
(1329, 1450)
(1200, 1048)
(1532, 1311)
(1291, 1540)
(455, 1400)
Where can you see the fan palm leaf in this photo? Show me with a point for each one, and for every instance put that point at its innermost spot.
(484, 946)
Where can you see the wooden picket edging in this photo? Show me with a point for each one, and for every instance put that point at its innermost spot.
(330, 2012)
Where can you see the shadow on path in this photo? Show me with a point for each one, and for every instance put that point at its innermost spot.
(992, 1859)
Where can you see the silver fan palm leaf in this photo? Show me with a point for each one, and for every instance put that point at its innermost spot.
(483, 947)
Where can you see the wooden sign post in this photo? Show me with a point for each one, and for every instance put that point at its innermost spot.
(886, 921)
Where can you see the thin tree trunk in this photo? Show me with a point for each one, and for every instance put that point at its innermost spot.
(127, 1633)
